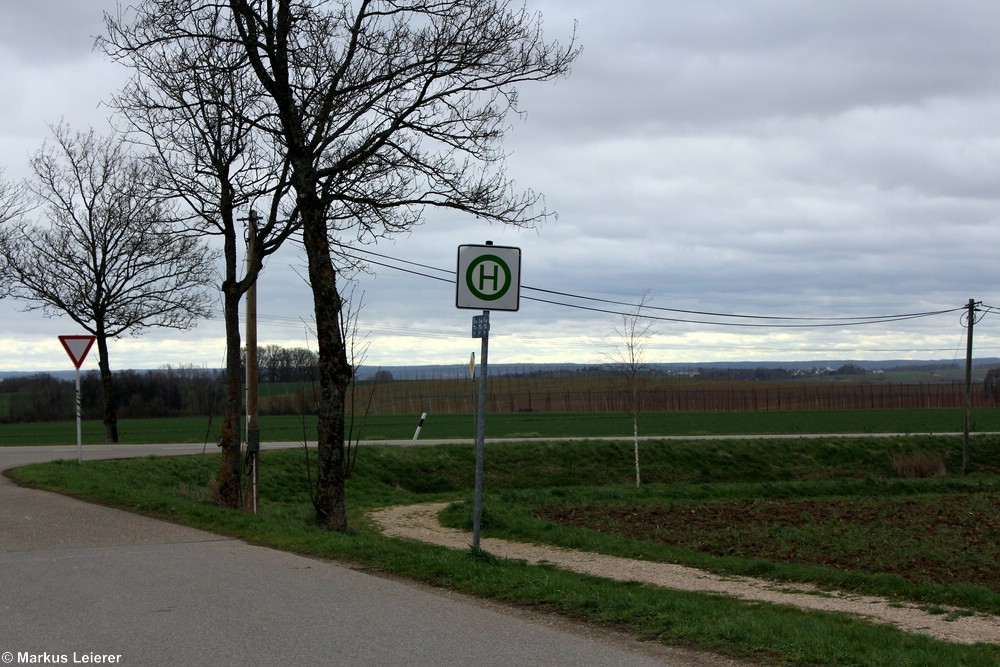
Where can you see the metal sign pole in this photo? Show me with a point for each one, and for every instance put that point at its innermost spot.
(482, 327)
(488, 278)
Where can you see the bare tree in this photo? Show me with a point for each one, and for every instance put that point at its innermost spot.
(193, 102)
(632, 338)
(14, 200)
(107, 258)
(13, 204)
(382, 108)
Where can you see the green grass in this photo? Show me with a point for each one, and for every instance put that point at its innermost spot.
(505, 425)
(523, 479)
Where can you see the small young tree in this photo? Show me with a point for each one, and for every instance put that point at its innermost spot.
(107, 257)
(632, 337)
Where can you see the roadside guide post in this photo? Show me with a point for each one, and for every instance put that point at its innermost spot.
(488, 278)
(77, 348)
(420, 425)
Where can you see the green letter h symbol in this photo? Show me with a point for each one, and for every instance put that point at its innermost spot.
(483, 277)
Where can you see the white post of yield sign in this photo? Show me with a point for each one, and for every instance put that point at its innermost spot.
(77, 348)
(488, 278)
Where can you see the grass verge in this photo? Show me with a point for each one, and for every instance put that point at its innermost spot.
(540, 425)
(523, 479)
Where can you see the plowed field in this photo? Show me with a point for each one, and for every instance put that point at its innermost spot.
(944, 539)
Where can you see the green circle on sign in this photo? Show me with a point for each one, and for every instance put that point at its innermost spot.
(477, 291)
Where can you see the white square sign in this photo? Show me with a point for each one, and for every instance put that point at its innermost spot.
(489, 277)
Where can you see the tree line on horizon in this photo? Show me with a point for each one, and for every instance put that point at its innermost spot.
(188, 391)
(171, 391)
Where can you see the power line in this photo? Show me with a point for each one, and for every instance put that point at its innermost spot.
(876, 318)
(761, 321)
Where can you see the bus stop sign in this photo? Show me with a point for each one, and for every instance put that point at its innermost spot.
(489, 277)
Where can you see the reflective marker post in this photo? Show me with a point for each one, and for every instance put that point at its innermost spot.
(420, 425)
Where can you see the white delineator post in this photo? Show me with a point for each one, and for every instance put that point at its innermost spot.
(420, 425)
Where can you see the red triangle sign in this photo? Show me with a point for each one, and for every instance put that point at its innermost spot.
(77, 347)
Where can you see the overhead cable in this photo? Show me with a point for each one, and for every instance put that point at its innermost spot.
(763, 321)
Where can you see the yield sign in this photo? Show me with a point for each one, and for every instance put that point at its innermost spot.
(77, 347)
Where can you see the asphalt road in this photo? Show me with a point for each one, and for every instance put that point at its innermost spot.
(81, 583)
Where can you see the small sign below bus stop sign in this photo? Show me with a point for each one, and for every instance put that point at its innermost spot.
(481, 326)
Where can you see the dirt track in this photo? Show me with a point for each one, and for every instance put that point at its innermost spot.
(419, 522)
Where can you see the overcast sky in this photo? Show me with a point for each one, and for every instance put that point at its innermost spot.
(779, 159)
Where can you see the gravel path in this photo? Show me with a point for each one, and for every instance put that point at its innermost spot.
(419, 522)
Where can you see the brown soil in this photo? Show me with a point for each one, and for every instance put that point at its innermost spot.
(942, 539)
(419, 522)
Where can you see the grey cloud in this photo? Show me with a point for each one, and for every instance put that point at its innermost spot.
(695, 66)
(769, 157)
(46, 31)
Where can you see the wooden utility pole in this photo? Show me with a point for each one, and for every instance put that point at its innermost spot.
(968, 383)
(253, 430)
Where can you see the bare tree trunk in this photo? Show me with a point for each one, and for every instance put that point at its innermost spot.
(229, 440)
(108, 390)
(334, 369)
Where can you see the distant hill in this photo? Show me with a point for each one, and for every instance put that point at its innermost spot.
(431, 372)
(450, 371)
